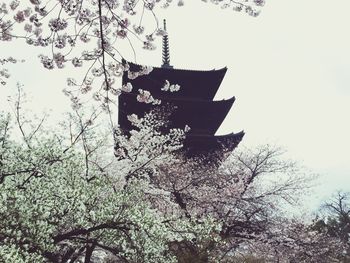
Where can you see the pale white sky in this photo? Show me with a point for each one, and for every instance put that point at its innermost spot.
(288, 68)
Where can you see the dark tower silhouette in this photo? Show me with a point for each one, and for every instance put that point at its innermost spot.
(193, 105)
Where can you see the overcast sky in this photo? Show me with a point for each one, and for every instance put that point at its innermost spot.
(288, 69)
(290, 72)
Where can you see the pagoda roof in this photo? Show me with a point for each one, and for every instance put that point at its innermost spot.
(197, 144)
(196, 84)
(202, 116)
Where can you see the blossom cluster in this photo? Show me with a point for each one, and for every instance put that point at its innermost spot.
(145, 96)
(251, 7)
(171, 88)
(4, 73)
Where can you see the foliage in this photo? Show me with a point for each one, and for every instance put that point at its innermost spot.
(334, 221)
(64, 195)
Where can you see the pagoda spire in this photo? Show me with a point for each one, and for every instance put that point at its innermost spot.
(166, 52)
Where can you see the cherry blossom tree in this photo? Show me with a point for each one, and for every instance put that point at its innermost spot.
(241, 197)
(64, 197)
(58, 196)
(67, 196)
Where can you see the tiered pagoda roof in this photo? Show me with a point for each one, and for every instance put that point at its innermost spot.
(195, 84)
(192, 104)
(202, 116)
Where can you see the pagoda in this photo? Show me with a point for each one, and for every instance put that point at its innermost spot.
(193, 105)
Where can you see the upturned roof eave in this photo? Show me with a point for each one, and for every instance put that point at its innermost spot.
(224, 136)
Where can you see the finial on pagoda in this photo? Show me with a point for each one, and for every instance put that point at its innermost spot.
(165, 52)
